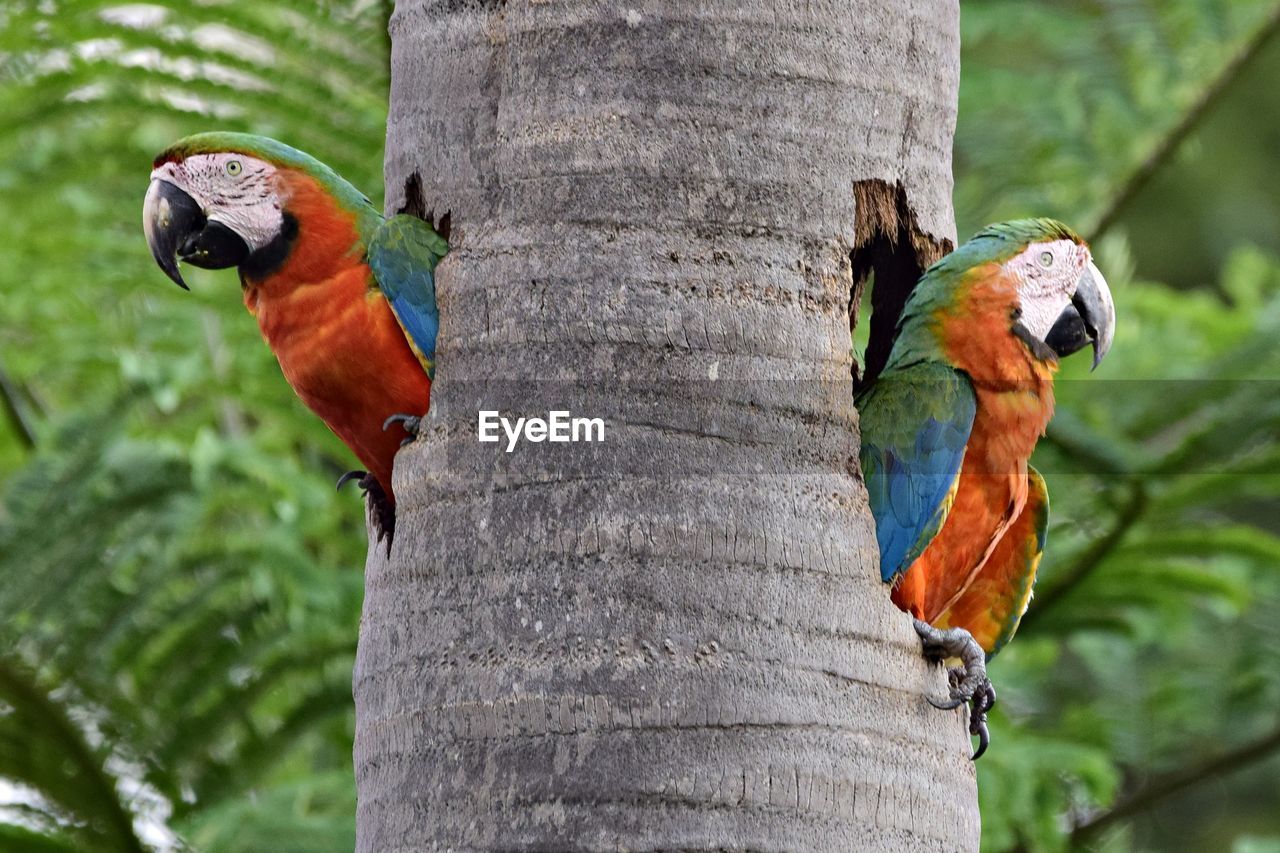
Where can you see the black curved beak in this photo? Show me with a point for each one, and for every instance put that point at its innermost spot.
(176, 228)
(1089, 319)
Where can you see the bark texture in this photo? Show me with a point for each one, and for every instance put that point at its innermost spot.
(676, 638)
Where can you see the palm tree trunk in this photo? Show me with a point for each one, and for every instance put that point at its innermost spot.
(676, 638)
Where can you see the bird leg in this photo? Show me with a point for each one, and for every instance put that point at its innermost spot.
(411, 424)
(383, 512)
(969, 683)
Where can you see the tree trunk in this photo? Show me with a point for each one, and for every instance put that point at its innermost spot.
(675, 638)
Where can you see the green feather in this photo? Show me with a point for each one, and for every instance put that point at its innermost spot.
(915, 424)
(403, 254)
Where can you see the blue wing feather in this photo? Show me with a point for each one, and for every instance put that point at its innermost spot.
(403, 255)
(915, 425)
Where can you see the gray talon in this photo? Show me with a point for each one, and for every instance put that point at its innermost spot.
(979, 727)
(969, 684)
(349, 476)
(411, 424)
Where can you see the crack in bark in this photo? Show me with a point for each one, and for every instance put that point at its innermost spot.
(889, 243)
(415, 204)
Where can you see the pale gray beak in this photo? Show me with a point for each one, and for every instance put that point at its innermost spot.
(176, 228)
(1089, 319)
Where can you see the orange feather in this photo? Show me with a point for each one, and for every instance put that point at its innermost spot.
(1014, 391)
(991, 606)
(337, 341)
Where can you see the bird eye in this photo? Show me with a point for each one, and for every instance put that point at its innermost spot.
(1046, 259)
(234, 168)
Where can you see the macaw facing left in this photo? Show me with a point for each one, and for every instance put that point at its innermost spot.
(948, 428)
(344, 298)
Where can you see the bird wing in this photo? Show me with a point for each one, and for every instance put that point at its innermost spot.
(992, 605)
(403, 254)
(915, 423)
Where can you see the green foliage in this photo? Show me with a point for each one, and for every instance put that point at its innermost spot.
(179, 584)
(1151, 646)
(42, 747)
(1059, 102)
(1150, 557)
(200, 632)
(309, 813)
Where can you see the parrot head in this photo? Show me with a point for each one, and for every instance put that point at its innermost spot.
(220, 200)
(1063, 301)
(1032, 278)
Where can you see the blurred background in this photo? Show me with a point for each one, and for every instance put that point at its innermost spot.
(180, 584)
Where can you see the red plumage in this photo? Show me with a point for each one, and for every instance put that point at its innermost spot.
(1014, 391)
(338, 342)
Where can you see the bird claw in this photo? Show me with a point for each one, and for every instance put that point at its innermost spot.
(411, 424)
(384, 514)
(978, 726)
(949, 705)
(983, 702)
(349, 476)
(969, 683)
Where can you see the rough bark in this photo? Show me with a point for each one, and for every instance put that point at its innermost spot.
(676, 638)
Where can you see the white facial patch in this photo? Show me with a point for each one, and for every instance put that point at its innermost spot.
(1047, 274)
(239, 191)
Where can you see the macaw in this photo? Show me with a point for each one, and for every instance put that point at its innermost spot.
(950, 423)
(344, 298)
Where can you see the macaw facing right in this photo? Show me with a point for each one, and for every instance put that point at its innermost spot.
(948, 428)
